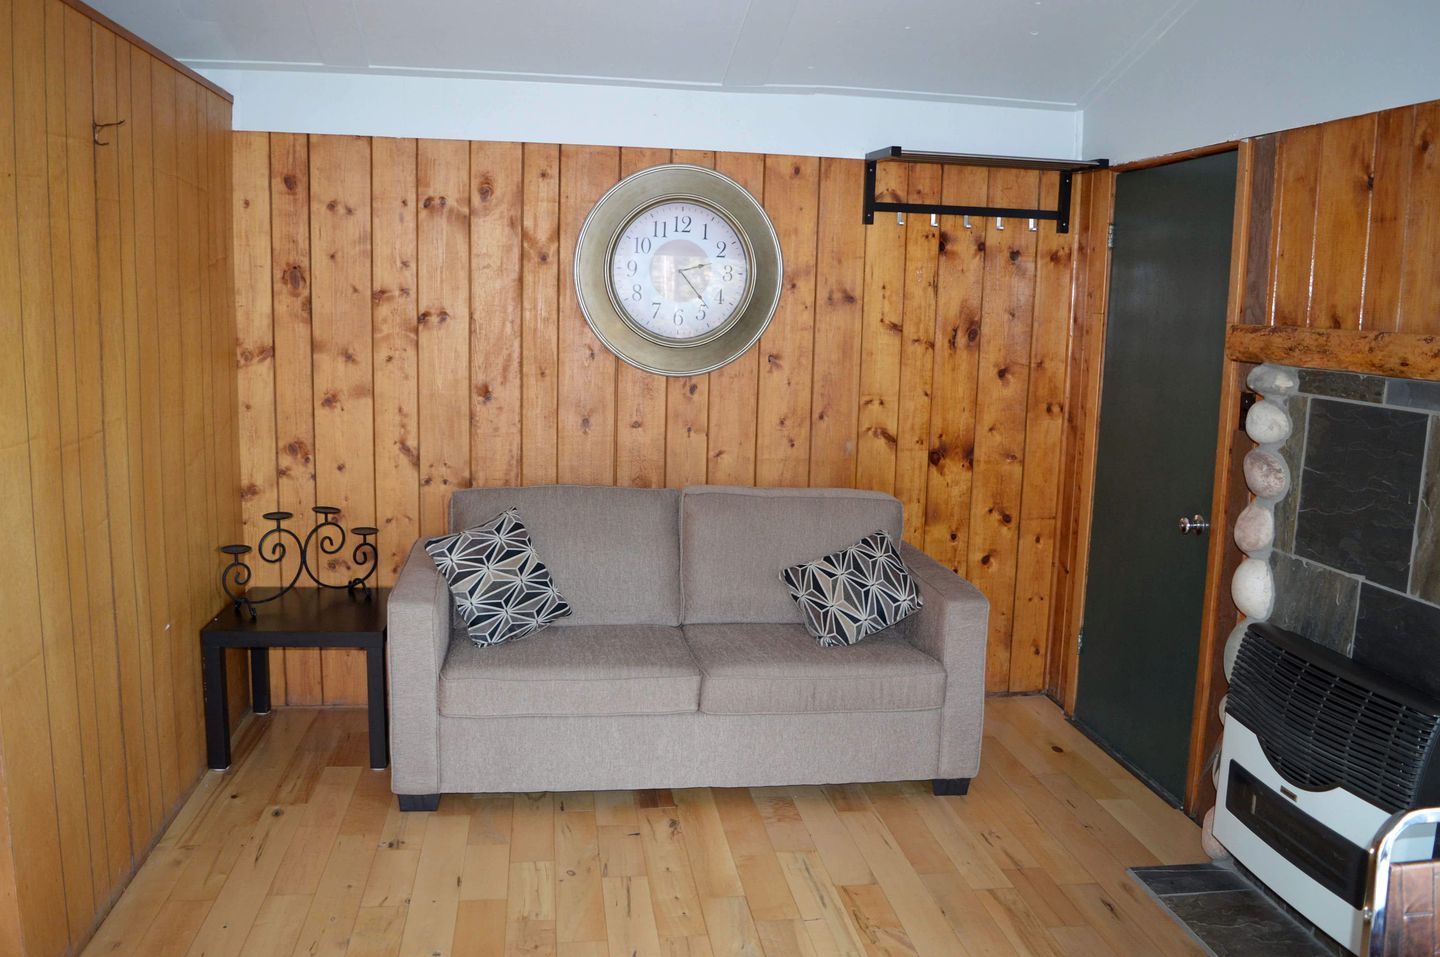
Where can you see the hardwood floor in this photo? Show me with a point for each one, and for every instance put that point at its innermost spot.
(298, 849)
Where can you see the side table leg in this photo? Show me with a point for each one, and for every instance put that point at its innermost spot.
(217, 708)
(375, 695)
(260, 680)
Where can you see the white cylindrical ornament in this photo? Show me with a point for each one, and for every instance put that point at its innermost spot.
(1267, 423)
(1272, 380)
(1232, 647)
(1255, 527)
(1253, 589)
(1266, 473)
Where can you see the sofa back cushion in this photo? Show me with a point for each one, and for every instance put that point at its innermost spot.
(734, 541)
(614, 553)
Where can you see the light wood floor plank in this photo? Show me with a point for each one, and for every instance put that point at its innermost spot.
(1032, 863)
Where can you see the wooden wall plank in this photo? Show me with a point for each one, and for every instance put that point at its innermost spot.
(1342, 216)
(880, 336)
(1419, 290)
(687, 402)
(294, 392)
(1389, 206)
(443, 296)
(342, 364)
(734, 388)
(839, 287)
(1000, 418)
(495, 257)
(917, 353)
(540, 312)
(960, 293)
(1298, 170)
(395, 356)
(782, 438)
(585, 429)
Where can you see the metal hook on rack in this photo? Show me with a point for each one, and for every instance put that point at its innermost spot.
(1033, 226)
(966, 220)
(899, 219)
(1000, 222)
(934, 220)
(95, 129)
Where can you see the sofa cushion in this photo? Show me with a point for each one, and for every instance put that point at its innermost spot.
(572, 670)
(614, 552)
(735, 541)
(779, 669)
(501, 588)
(855, 592)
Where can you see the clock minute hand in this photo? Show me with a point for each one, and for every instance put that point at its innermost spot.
(697, 292)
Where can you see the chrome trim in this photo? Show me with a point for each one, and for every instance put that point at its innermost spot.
(1377, 886)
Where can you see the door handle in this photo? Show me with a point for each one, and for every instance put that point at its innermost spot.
(1196, 524)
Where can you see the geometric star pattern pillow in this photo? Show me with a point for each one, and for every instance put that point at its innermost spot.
(501, 588)
(854, 592)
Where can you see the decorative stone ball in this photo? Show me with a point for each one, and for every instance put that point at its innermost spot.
(1212, 848)
(1266, 473)
(1273, 380)
(1232, 646)
(1253, 588)
(1255, 527)
(1267, 422)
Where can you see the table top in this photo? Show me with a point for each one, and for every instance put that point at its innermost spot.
(313, 615)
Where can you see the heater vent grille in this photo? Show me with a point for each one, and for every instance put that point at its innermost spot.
(1321, 729)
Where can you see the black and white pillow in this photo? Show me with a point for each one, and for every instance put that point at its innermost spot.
(854, 592)
(502, 590)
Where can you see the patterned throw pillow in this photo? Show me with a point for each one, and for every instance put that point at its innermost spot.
(854, 592)
(502, 590)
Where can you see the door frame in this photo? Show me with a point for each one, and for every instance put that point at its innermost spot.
(1091, 306)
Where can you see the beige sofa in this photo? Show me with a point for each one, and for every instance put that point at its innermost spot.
(684, 662)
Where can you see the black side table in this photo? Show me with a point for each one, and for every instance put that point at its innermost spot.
(303, 618)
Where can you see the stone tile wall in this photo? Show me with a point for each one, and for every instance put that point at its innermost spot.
(1357, 540)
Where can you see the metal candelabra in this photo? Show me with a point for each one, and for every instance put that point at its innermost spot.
(328, 538)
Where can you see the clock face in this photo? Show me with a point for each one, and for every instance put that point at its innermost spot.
(680, 272)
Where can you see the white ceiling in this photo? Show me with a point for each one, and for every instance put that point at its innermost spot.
(1029, 53)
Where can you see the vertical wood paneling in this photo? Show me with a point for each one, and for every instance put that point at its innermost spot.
(1419, 290)
(1297, 172)
(782, 437)
(443, 283)
(118, 455)
(917, 353)
(821, 400)
(395, 355)
(539, 311)
(341, 360)
(495, 256)
(585, 432)
(1342, 219)
(1389, 208)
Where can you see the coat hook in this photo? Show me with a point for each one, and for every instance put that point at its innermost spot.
(999, 223)
(966, 220)
(1033, 226)
(95, 129)
(935, 219)
(899, 219)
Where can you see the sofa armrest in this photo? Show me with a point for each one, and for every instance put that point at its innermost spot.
(417, 640)
(952, 627)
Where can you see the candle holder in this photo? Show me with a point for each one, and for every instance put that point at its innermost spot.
(327, 537)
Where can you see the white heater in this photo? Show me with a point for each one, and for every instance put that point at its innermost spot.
(1318, 752)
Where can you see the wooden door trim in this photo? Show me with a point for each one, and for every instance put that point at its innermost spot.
(1179, 156)
(148, 47)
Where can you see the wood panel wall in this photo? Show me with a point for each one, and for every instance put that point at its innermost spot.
(408, 326)
(118, 455)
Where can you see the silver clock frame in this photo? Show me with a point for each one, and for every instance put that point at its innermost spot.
(594, 288)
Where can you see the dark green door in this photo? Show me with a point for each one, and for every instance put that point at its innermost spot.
(1159, 412)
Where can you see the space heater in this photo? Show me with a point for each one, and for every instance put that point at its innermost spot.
(1318, 752)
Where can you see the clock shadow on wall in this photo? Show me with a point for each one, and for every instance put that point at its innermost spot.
(678, 270)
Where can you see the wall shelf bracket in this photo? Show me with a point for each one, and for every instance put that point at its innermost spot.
(1060, 215)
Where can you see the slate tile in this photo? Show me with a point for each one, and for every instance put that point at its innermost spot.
(1413, 394)
(1342, 385)
(1359, 489)
(1425, 575)
(1315, 601)
(1293, 451)
(1399, 636)
(1206, 878)
(1243, 923)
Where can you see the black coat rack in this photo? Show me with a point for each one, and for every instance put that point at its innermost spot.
(894, 154)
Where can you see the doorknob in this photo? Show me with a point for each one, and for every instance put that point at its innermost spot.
(1196, 524)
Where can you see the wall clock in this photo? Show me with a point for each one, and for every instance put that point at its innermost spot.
(678, 269)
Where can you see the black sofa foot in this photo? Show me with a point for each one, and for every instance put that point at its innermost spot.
(944, 786)
(418, 802)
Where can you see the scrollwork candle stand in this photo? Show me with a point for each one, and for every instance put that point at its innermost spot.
(328, 538)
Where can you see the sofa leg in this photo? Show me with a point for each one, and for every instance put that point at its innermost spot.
(418, 802)
(947, 786)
